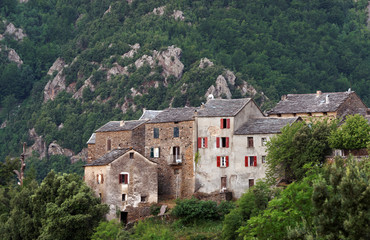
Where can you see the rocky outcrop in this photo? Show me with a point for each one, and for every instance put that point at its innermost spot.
(116, 70)
(178, 15)
(204, 63)
(56, 149)
(12, 55)
(23, 1)
(247, 89)
(170, 61)
(16, 33)
(4, 124)
(131, 53)
(80, 156)
(159, 11)
(109, 10)
(230, 77)
(39, 145)
(145, 59)
(88, 84)
(58, 84)
(221, 90)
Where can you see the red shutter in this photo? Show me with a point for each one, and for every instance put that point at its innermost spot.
(246, 161)
(228, 123)
(126, 178)
(218, 161)
(222, 126)
(227, 161)
(205, 143)
(199, 142)
(217, 142)
(227, 142)
(120, 178)
(102, 178)
(255, 161)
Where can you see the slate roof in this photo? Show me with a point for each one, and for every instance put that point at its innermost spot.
(114, 126)
(222, 107)
(264, 125)
(108, 157)
(91, 139)
(150, 114)
(309, 103)
(175, 115)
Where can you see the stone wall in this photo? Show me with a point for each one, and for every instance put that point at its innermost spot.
(175, 180)
(351, 106)
(119, 139)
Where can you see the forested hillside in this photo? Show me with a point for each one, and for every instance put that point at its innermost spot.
(117, 57)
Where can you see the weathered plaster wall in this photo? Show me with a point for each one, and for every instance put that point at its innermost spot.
(175, 180)
(249, 111)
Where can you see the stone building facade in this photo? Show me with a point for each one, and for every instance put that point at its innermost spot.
(330, 105)
(169, 141)
(126, 181)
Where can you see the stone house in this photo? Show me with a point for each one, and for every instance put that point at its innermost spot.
(220, 165)
(332, 105)
(114, 135)
(169, 141)
(124, 180)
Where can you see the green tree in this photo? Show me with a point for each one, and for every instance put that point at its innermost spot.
(297, 145)
(353, 134)
(62, 207)
(341, 200)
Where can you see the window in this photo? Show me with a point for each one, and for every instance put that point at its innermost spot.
(176, 155)
(131, 155)
(250, 141)
(263, 159)
(202, 142)
(223, 183)
(123, 197)
(156, 132)
(99, 178)
(154, 152)
(222, 142)
(109, 144)
(123, 178)
(222, 161)
(251, 161)
(251, 182)
(225, 123)
(176, 132)
(143, 199)
(176, 171)
(263, 141)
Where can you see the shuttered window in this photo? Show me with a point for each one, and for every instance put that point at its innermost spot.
(123, 178)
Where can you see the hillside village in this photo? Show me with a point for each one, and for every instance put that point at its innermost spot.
(215, 151)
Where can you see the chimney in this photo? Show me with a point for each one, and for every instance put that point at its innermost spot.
(121, 123)
(284, 97)
(318, 93)
(327, 99)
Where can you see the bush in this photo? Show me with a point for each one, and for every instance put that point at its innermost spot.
(192, 210)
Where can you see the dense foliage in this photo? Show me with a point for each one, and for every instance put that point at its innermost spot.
(61, 207)
(277, 46)
(297, 145)
(353, 134)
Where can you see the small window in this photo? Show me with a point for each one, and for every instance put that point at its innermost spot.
(154, 152)
(263, 141)
(109, 144)
(225, 123)
(263, 159)
(222, 161)
(251, 161)
(123, 178)
(279, 115)
(99, 179)
(100, 196)
(202, 142)
(251, 182)
(325, 113)
(131, 155)
(176, 132)
(156, 132)
(123, 197)
(143, 198)
(250, 142)
(222, 142)
(176, 171)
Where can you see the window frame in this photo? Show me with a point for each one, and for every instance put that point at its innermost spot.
(250, 142)
(202, 142)
(263, 141)
(223, 161)
(124, 178)
(176, 132)
(155, 132)
(155, 152)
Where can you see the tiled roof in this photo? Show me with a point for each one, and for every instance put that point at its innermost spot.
(91, 139)
(222, 107)
(310, 103)
(175, 115)
(114, 126)
(150, 114)
(264, 125)
(108, 157)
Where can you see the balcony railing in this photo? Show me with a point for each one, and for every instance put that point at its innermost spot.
(177, 159)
